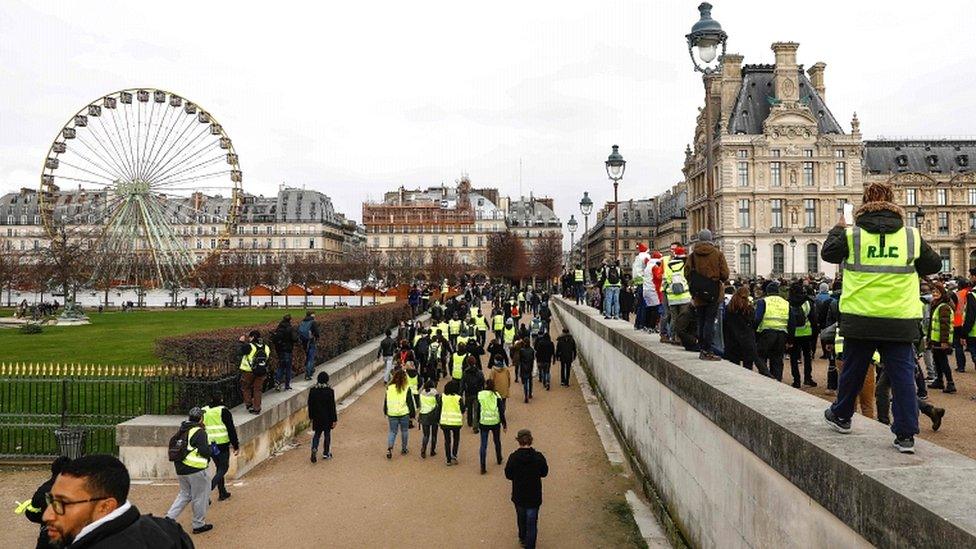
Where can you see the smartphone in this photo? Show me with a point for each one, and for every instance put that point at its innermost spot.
(848, 213)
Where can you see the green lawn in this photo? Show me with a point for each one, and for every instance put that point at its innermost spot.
(115, 338)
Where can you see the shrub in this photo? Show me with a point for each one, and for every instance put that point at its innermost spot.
(339, 331)
(30, 328)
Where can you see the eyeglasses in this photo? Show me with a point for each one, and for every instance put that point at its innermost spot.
(58, 505)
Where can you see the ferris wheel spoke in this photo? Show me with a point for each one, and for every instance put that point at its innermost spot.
(176, 156)
(118, 152)
(118, 136)
(163, 159)
(117, 144)
(200, 177)
(108, 158)
(111, 179)
(82, 180)
(96, 165)
(154, 150)
(185, 167)
(145, 144)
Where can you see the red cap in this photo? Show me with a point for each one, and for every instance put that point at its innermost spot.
(656, 254)
(641, 247)
(679, 250)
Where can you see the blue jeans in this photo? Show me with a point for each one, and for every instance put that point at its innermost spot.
(495, 431)
(706, 325)
(387, 368)
(899, 362)
(310, 358)
(580, 293)
(528, 525)
(284, 369)
(404, 424)
(640, 312)
(545, 374)
(527, 386)
(611, 301)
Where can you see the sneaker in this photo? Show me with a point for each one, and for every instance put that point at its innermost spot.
(327, 456)
(389, 453)
(937, 416)
(961, 370)
(423, 453)
(950, 388)
(313, 457)
(255, 412)
(936, 385)
(223, 497)
(433, 453)
(905, 445)
(796, 384)
(810, 383)
(483, 470)
(837, 424)
(707, 356)
(202, 529)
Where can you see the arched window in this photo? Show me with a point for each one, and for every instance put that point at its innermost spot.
(813, 258)
(745, 259)
(779, 259)
(972, 259)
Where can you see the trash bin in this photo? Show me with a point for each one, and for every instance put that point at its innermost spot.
(71, 441)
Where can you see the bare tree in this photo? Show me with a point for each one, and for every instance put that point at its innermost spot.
(547, 256)
(11, 268)
(506, 256)
(209, 274)
(444, 264)
(66, 262)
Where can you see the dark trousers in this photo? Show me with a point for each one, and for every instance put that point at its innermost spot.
(640, 309)
(482, 337)
(770, 346)
(496, 436)
(749, 357)
(899, 364)
(528, 525)
(326, 435)
(470, 412)
(222, 461)
(527, 387)
(580, 293)
(564, 367)
(545, 374)
(958, 335)
(430, 434)
(802, 346)
(452, 437)
(284, 369)
(942, 368)
(705, 315)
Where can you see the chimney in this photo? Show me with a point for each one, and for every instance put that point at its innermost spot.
(786, 73)
(816, 73)
(731, 84)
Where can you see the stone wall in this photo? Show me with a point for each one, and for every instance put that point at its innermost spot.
(143, 440)
(740, 460)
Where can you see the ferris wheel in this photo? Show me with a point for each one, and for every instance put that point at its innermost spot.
(136, 176)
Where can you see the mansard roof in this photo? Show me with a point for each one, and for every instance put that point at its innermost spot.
(753, 103)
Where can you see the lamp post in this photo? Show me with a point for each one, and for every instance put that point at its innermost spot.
(793, 256)
(572, 225)
(919, 218)
(706, 36)
(615, 171)
(755, 261)
(586, 208)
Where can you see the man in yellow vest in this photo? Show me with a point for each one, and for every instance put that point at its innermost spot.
(497, 321)
(192, 473)
(219, 424)
(451, 420)
(491, 414)
(799, 337)
(879, 305)
(772, 320)
(675, 285)
(481, 328)
(34, 508)
(579, 288)
(255, 355)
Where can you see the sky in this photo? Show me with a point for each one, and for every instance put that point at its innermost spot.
(357, 98)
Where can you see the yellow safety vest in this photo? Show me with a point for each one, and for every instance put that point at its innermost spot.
(457, 364)
(451, 410)
(474, 311)
(669, 274)
(213, 422)
(881, 281)
(442, 326)
(509, 335)
(396, 401)
(838, 343)
(412, 383)
(578, 275)
(247, 359)
(498, 322)
(454, 326)
(428, 403)
(25, 506)
(416, 338)
(488, 404)
(806, 329)
(935, 327)
(480, 323)
(462, 341)
(193, 457)
(777, 314)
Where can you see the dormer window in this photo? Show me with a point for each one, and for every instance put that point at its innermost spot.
(962, 160)
(932, 161)
(901, 161)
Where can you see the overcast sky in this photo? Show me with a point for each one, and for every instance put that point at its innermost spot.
(355, 98)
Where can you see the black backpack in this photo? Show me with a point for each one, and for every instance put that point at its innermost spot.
(613, 275)
(702, 287)
(178, 444)
(798, 317)
(259, 364)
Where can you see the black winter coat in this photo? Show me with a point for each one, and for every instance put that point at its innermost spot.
(132, 530)
(566, 348)
(322, 407)
(526, 468)
(544, 350)
(284, 337)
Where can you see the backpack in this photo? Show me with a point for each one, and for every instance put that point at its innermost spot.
(305, 330)
(178, 445)
(613, 275)
(703, 288)
(798, 317)
(677, 283)
(259, 364)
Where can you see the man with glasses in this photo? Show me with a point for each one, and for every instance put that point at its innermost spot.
(88, 507)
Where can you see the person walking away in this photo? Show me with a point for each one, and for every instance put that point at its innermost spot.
(940, 337)
(545, 355)
(413, 298)
(497, 321)
(481, 328)
(454, 330)
(254, 369)
(626, 300)
(535, 328)
(821, 306)
(387, 351)
(501, 377)
(637, 269)
(772, 318)
(706, 272)
(472, 382)
(284, 338)
(545, 313)
(308, 335)
(579, 287)
(799, 335)
(526, 468)
(740, 332)
(678, 298)
(399, 409)
(430, 407)
(322, 413)
(413, 382)
(451, 420)
(88, 507)
(191, 469)
(34, 508)
(566, 352)
(867, 396)
(435, 356)
(218, 421)
(962, 314)
(526, 360)
(967, 342)
(490, 414)
(879, 305)
(496, 347)
(457, 363)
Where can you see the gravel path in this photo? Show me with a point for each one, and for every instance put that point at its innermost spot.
(360, 499)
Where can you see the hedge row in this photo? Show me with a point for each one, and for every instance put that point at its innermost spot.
(340, 331)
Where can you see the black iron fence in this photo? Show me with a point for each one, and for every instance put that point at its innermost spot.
(34, 407)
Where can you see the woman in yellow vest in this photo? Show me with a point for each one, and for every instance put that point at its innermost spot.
(772, 317)
(490, 414)
(800, 336)
(399, 409)
(430, 407)
(940, 338)
(452, 417)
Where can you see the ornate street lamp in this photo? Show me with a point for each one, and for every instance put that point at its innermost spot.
(793, 256)
(755, 260)
(616, 165)
(919, 218)
(572, 225)
(705, 38)
(586, 208)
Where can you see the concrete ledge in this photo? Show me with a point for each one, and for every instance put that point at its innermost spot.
(743, 461)
(143, 440)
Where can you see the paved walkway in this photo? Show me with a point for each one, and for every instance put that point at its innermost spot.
(360, 499)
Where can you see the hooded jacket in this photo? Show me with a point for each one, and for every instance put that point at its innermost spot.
(526, 468)
(132, 530)
(878, 218)
(199, 441)
(708, 261)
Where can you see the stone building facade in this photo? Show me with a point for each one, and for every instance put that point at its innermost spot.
(782, 166)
